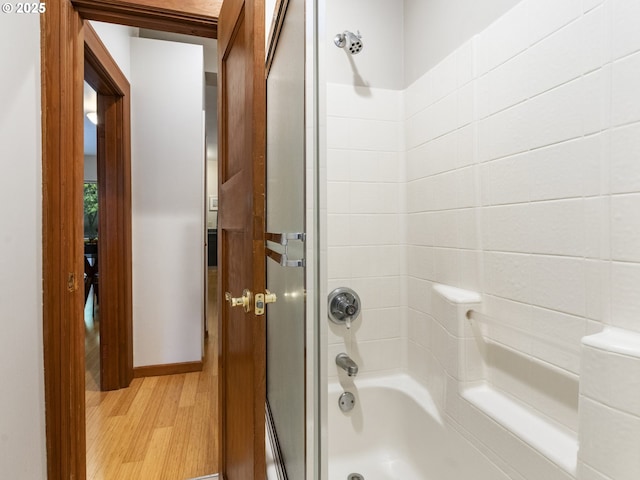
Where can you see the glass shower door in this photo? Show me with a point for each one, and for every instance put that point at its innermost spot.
(285, 266)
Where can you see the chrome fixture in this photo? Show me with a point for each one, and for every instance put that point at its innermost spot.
(344, 306)
(355, 476)
(349, 40)
(345, 362)
(283, 239)
(346, 402)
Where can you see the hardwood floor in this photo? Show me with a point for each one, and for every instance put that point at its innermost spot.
(160, 428)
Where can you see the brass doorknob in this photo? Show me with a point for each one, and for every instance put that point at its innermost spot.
(243, 301)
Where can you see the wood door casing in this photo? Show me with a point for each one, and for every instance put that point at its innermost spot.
(114, 190)
(62, 231)
(191, 17)
(242, 130)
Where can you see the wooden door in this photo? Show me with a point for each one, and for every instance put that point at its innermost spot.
(241, 117)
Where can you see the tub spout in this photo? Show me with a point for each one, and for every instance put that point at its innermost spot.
(345, 362)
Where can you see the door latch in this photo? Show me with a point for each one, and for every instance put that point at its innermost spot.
(262, 299)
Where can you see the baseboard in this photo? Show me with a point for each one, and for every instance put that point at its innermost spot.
(167, 369)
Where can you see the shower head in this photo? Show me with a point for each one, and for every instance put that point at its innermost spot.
(349, 40)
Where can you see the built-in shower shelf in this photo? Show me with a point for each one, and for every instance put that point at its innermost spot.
(615, 340)
(556, 444)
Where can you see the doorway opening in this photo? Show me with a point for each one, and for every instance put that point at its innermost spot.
(90, 240)
(164, 423)
(106, 235)
(242, 159)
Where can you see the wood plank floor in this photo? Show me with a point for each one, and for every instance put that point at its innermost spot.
(160, 428)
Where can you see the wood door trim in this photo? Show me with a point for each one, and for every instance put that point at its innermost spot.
(62, 51)
(193, 17)
(62, 249)
(105, 74)
(114, 190)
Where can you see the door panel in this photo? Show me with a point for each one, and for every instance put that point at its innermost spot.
(236, 115)
(241, 236)
(238, 377)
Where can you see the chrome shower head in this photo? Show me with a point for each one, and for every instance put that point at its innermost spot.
(349, 40)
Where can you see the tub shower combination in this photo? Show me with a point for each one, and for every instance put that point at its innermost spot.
(390, 427)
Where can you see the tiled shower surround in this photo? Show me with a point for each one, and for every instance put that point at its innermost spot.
(512, 169)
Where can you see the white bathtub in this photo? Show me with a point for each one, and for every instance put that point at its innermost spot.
(395, 432)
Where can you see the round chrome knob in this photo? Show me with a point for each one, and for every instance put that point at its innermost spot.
(344, 306)
(347, 401)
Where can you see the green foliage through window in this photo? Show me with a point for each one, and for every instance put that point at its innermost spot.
(91, 210)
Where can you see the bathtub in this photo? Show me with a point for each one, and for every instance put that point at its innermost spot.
(396, 432)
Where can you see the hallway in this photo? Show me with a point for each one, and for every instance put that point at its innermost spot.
(161, 427)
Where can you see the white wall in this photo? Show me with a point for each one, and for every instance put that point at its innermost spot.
(520, 182)
(539, 144)
(365, 233)
(167, 200)
(211, 119)
(508, 168)
(402, 40)
(210, 45)
(495, 198)
(435, 28)
(22, 426)
(117, 40)
(379, 64)
(167, 192)
(365, 163)
(90, 168)
(364, 172)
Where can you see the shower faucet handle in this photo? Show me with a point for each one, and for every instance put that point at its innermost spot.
(344, 306)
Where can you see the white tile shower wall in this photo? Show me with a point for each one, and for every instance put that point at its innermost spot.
(522, 183)
(365, 224)
(513, 173)
(610, 405)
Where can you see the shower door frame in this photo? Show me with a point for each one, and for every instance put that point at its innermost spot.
(285, 317)
(316, 154)
(316, 331)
